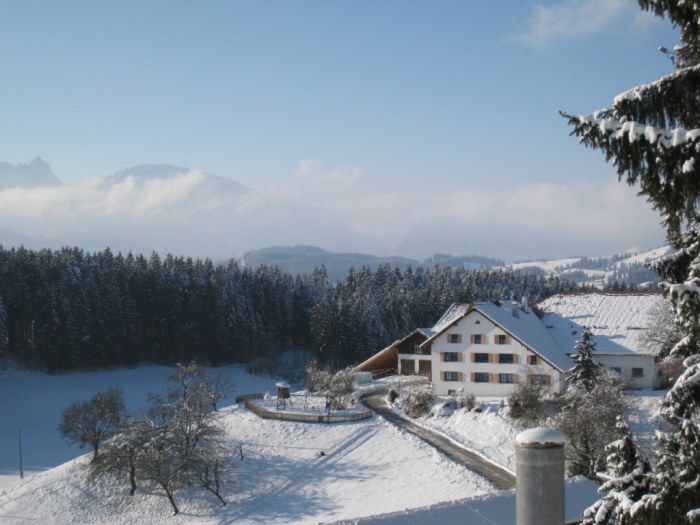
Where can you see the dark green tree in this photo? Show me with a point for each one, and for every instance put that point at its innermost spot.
(585, 372)
(651, 134)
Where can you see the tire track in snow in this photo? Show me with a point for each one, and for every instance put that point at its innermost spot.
(298, 481)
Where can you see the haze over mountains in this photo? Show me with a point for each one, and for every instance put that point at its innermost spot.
(175, 209)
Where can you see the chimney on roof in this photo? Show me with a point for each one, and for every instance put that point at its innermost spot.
(523, 303)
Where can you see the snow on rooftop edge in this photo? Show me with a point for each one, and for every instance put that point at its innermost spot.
(540, 436)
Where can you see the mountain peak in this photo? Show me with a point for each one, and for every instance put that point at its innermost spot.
(31, 174)
(146, 172)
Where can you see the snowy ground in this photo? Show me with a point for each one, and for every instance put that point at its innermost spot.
(370, 467)
(644, 418)
(34, 401)
(492, 432)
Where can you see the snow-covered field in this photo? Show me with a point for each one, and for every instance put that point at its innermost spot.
(492, 432)
(369, 467)
(33, 401)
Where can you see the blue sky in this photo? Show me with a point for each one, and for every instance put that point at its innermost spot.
(411, 95)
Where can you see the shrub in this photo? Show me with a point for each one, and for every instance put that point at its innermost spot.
(392, 395)
(341, 388)
(418, 403)
(670, 369)
(526, 404)
(464, 400)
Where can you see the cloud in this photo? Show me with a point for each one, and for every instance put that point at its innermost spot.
(331, 207)
(313, 171)
(188, 191)
(576, 18)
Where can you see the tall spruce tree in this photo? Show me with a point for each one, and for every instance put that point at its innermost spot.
(652, 136)
(629, 481)
(584, 373)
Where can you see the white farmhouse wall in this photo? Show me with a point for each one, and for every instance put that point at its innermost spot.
(626, 362)
(476, 323)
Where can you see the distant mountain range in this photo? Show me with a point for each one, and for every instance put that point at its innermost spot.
(32, 174)
(627, 267)
(150, 172)
(304, 259)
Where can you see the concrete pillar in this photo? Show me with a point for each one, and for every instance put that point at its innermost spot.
(539, 472)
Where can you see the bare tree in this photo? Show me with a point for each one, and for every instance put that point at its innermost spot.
(93, 421)
(663, 331)
(161, 461)
(218, 387)
(176, 444)
(318, 378)
(588, 421)
(208, 468)
(122, 452)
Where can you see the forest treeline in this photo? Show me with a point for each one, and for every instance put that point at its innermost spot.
(68, 309)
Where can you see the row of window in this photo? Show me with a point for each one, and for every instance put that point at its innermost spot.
(487, 377)
(636, 372)
(482, 357)
(480, 339)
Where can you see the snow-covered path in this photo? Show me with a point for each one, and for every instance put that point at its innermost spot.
(498, 475)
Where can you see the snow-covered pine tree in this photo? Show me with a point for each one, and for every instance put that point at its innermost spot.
(652, 136)
(629, 481)
(584, 373)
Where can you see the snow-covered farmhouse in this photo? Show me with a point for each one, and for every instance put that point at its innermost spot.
(617, 322)
(488, 348)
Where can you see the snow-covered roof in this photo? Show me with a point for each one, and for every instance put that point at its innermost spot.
(617, 321)
(427, 332)
(527, 328)
(454, 312)
(499, 509)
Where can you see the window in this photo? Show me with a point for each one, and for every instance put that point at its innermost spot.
(450, 357)
(532, 360)
(506, 359)
(408, 367)
(454, 338)
(637, 372)
(416, 349)
(501, 339)
(481, 377)
(477, 339)
(506, 378)
(481, 358)
(616, 369)
(424, 367)
(450, 376)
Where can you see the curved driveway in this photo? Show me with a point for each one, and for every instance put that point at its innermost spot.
(499, 476)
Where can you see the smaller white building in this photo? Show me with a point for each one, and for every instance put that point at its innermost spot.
(617, 321)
